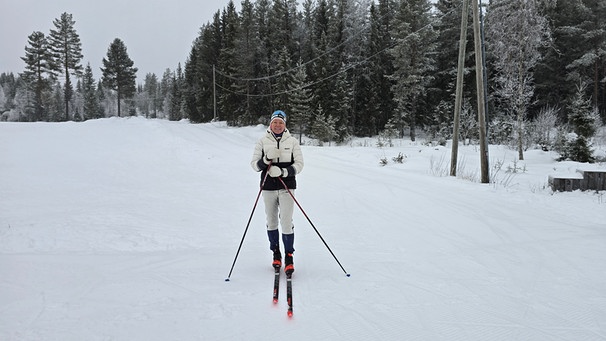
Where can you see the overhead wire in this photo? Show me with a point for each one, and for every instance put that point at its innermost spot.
(342, 70)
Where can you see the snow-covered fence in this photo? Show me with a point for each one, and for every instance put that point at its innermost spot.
(583, 180)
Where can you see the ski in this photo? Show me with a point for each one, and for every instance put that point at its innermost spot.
(276, 284)
(289, 293)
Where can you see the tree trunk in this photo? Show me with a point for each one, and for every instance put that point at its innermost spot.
(119, 102)
(485, 178)
(520, 108)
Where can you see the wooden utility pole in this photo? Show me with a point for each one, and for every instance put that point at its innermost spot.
(214, 96)
(459, 91)
(480, 93)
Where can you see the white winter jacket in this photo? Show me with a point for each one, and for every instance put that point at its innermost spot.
(290, 160)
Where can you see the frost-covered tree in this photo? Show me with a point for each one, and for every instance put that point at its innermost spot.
(468, 122)
(67, 49)
(516, 31)
(118, 72)
(584, 120)
(323, 127)
(2, 100)
(152, 100)
(543, 127)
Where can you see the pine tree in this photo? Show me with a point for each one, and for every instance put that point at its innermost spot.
(118, 72)
(38, 73)
(67, 50)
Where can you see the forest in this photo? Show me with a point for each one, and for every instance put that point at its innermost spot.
(347, 68)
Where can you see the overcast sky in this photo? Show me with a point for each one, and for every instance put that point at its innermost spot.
(157, 34)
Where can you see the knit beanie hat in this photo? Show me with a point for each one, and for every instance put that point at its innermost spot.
(278, 114)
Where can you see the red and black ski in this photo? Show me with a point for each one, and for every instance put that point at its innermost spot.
(289, 293)
(276, 283)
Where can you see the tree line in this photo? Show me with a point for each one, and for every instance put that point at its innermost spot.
(347, 68)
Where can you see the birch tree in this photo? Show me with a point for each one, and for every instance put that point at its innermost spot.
(515, 32)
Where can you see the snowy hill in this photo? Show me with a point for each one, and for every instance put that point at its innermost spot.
(125, 229)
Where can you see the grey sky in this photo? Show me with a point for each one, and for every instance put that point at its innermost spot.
(157, 34)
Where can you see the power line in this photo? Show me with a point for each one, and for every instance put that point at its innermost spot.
(342, 70)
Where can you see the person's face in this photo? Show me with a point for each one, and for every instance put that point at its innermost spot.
(277, 126)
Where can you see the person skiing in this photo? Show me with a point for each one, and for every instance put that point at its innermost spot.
(278, 154)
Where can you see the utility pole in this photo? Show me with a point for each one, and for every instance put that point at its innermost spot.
(214, 96)
(480, 93)
(459, 91)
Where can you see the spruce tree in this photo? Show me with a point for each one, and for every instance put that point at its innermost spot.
(197, 89)
(589, 64)
(584, 120)
(381, 103)
(248, 47)
(118, 72)
(323, 127)
(413, 61)
(283, 80)
(300, 110)
(89, 94)
(228, 67)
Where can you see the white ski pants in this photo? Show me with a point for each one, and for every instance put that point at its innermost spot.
(279, 207)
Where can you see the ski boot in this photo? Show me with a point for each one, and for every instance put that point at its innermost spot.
(277, 262)
(289, 267)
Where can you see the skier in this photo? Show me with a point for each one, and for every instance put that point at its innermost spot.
(278, 154)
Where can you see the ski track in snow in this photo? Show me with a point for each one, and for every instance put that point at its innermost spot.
(124, 229)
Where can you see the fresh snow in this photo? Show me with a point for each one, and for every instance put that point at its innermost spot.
(126, 229)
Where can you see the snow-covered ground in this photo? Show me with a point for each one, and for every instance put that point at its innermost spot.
(125, 229)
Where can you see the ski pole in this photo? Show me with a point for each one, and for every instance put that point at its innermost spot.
(248, 224)
(314, 227)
